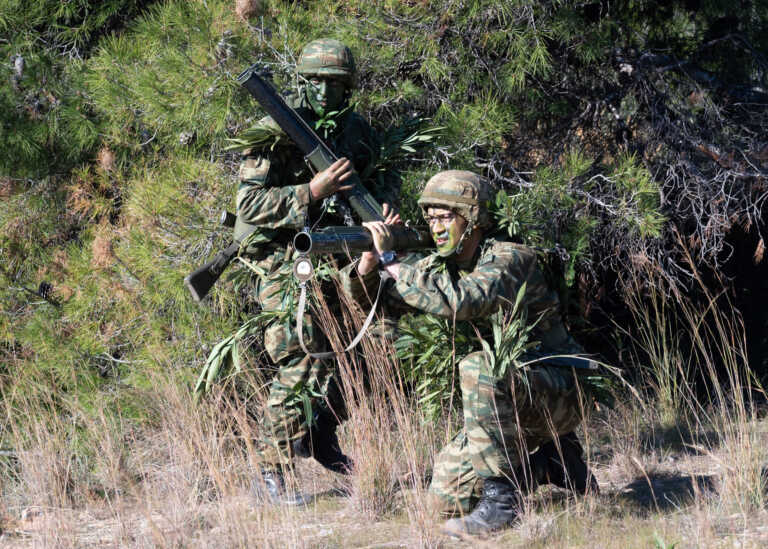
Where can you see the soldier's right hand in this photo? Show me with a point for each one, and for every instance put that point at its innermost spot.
(331, 180)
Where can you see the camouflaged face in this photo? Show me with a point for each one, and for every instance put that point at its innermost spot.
(327, 57)
(464, 192)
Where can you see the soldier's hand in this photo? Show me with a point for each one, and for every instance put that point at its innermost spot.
(383, 240)
(391, 217)
(369, 261)
(331, 180)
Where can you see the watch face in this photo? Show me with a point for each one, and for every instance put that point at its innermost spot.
(387, 257)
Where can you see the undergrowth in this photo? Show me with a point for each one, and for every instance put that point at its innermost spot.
(628, 139)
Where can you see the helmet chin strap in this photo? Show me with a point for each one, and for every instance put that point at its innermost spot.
(460, 246)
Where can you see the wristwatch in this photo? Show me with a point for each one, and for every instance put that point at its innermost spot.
(387, 258)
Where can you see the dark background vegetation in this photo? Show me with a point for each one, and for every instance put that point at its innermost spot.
(632, 133)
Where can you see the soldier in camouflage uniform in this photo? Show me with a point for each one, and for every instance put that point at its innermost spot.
(279, 195)
(518, 429)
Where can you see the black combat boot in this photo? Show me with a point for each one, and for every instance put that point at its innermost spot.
(322, 443)
(561, 463)
(498, 507)
(272, 487)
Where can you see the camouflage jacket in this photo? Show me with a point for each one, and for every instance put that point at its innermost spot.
(433, 285)
(274, 182)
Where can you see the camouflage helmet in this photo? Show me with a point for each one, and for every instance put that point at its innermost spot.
(463, 192)
(327, 57)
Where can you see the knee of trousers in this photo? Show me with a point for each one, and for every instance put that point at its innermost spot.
(475, 378)
(558, 398)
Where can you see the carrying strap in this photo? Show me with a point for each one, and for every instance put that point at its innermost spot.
(358, 337)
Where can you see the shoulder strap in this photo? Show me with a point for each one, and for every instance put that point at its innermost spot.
(358, 337)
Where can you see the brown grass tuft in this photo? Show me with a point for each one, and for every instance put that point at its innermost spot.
(102, 250)
(674, 470)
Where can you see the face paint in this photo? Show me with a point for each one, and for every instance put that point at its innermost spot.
(325, 94)
(446, 233)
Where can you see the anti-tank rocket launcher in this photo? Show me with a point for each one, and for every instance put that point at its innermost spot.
(349, 240)
(317, 154)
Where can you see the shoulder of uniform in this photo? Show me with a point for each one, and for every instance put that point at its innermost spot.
(263, 137)
(423, 263)
(503, 247)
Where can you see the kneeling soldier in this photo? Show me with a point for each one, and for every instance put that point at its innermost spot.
(518, 428)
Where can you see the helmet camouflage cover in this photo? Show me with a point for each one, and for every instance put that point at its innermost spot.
(327, 57)
(463, 192)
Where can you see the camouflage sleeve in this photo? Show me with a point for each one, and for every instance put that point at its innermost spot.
(260, 199)
(496, 278)
(363, 288)
(360, 288)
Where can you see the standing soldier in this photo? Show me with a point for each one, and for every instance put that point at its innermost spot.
(277, 196)
(468, 278)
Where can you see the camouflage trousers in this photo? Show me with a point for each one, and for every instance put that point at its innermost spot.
(301, 385)
(504, 420)
(300, 382)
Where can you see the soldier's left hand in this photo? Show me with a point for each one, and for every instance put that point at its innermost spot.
(391, 216)
(370, 260)
(383, 241)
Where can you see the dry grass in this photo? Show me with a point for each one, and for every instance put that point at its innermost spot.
(675, 470)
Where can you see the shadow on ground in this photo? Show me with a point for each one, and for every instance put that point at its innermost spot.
(678, 440)
(662, 491)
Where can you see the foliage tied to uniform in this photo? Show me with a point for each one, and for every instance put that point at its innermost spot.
(430, 348)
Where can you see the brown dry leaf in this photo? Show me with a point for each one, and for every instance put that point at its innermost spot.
(536, 156)
(80, 195)
(107, 330)
(759, 251)
(6, 187)
(106, 159)
(245, 9)
(60, 261)
(62, 293)
(695, 98)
